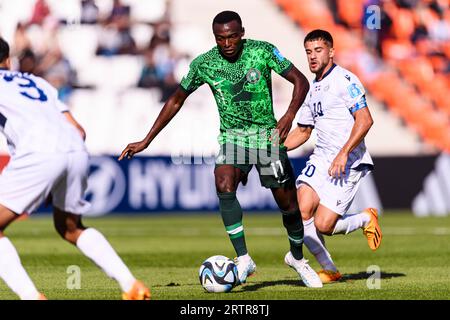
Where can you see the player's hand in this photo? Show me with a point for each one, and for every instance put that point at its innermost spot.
(284, 126)
(132, 149)
(337, 168)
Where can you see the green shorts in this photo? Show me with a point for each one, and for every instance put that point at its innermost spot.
(273, 165)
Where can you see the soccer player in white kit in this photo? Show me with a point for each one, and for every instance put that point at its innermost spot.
(336, 107)
(48, 158)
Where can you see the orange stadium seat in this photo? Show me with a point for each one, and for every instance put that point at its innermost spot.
(446, 141)
(438, 92)
(445, 106)
(435, 129)
(344, 40)
(415, 105)
(380, 86)
(397, 49)
(310, 14)
(446, 48)
(285, 3)
(351, 12)
(403, 24)
(417, 70)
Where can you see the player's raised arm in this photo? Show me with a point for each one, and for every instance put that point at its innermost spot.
(169, 110)
(301, 87)
(297, 137)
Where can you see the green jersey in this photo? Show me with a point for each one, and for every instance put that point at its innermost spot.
(242, 90)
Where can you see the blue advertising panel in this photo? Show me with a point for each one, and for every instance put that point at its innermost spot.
(155, 184)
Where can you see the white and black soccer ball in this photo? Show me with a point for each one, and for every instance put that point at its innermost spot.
(218, 274)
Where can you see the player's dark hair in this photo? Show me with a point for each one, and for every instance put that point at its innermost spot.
(4, 50)
(227, 16)
(319, 35)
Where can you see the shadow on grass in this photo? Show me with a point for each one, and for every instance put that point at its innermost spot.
(297, 283)
(263, 284)
(254, 286)
(364, 276)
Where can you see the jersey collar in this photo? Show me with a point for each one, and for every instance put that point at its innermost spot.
(326, 73)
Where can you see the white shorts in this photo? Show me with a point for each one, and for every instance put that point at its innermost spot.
(335, 194)
(27, 181)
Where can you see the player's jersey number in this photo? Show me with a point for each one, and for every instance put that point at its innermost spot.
(318, 112)
(278, 171)
(28, 87)
(310, 169)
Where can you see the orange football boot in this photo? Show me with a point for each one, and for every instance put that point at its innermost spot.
(373, 230)
(138, 292)
(328, 276)
(42, 297)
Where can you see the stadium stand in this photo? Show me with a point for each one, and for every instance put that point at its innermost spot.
(106, 92)
(412, 77)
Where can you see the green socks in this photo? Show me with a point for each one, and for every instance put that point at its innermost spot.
(292, 221)
(231, 212)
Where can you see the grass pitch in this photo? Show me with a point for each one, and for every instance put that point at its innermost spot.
(166, 251)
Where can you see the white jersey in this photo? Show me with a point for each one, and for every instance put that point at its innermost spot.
(31, 116)
(329, 108)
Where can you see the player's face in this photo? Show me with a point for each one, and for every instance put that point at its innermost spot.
(229, 37)
(319, 55)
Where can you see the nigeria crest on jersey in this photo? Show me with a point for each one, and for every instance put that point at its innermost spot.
(253, 75)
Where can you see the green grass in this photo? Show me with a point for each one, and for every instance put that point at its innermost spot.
(166, 251)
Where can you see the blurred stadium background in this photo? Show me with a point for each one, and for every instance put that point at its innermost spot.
(115, 62)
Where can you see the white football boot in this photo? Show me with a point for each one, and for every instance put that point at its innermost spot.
(309, 277)
(245, 267)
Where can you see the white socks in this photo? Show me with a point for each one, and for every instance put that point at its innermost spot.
(315, 243)
(13, 273)
(350, 223)
(94, 245)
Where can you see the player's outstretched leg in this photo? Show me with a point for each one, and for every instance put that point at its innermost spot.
(367, 220)
(95, 246)
(11, 269)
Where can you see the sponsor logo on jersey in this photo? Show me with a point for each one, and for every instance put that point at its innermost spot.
(354, 90)
(253, 75)
(347, 77)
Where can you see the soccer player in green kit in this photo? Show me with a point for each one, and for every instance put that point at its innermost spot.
(238, 71)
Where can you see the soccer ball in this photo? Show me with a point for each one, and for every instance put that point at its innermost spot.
(218, 274)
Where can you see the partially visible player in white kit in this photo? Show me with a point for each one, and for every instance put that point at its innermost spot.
(336, 107)
(48, 157)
